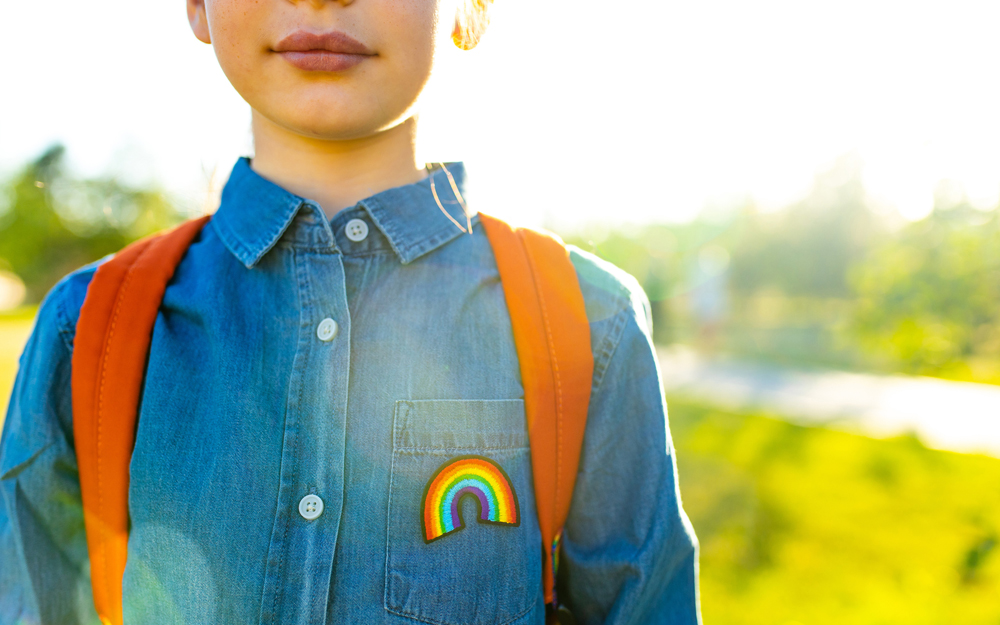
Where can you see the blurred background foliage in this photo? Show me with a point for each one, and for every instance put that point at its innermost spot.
(53, 222)
(797, 525)
(831, 281)
(928, 297)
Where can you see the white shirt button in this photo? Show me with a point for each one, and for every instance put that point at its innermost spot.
(356, 230)
(310, 507)
(327, 329)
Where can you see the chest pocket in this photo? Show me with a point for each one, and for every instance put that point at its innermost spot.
(463, 545)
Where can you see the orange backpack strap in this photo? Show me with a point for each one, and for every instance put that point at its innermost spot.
(552, 336)
(109, 357)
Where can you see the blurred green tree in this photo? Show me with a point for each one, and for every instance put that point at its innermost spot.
(930, 296)
(806, 249)
(786, 271)
(52, 222)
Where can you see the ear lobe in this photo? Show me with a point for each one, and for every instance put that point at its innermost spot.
(198, 19)
(471, 20)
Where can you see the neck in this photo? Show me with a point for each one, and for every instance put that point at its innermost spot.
(336, 174)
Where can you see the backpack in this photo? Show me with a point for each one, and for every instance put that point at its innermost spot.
(114, 331)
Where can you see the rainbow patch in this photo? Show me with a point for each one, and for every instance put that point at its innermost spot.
(461, 477)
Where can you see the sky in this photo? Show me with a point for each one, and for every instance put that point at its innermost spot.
(567, 113)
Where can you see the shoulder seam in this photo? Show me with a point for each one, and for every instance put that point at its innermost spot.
(623, 300)
(608, 348)
(66, 329)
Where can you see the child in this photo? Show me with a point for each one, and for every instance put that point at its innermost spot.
(332, 339)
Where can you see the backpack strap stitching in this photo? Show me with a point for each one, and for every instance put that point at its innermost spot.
(100, 411)
(555, 373)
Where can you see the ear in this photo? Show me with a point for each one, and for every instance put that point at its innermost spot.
(198, 20)
(471, 20)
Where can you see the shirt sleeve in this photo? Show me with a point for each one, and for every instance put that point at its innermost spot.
(629, 553)
(44, 572)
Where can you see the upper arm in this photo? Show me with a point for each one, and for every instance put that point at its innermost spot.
(42, 539)
(629, 553)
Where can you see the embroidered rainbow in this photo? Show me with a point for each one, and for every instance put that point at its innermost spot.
(465, 476)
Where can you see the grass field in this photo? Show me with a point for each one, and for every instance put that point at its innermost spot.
(14, 330)
(806, 526)
(810, 526)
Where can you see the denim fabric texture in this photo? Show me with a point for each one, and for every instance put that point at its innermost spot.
(246, 409)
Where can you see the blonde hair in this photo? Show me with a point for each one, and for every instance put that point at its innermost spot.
(471, 22)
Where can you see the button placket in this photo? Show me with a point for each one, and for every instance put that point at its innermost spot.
(306, 528)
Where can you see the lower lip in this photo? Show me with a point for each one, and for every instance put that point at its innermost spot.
(323, 60)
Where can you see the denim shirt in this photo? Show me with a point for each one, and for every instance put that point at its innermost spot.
(281, 457)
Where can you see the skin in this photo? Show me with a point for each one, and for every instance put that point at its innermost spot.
(333, 137)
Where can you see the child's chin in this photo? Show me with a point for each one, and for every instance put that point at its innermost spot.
(339, 132)
(333, 124)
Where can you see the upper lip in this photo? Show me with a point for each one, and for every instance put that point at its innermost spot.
(333, 41)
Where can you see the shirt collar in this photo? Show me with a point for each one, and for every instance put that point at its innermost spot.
(255, 213)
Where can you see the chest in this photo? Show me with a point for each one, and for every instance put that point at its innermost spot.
(294, 419)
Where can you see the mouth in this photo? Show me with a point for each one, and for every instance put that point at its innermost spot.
(333, 51)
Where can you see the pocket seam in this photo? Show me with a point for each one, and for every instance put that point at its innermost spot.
(433, 450)
(412, 617)
(409, 405)
(422, 619)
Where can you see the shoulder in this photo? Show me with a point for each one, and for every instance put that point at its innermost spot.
(39, 411)
(617, 306)
(607, 289)
(60, 309)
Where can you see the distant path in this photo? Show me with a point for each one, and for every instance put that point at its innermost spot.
(956, 416)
